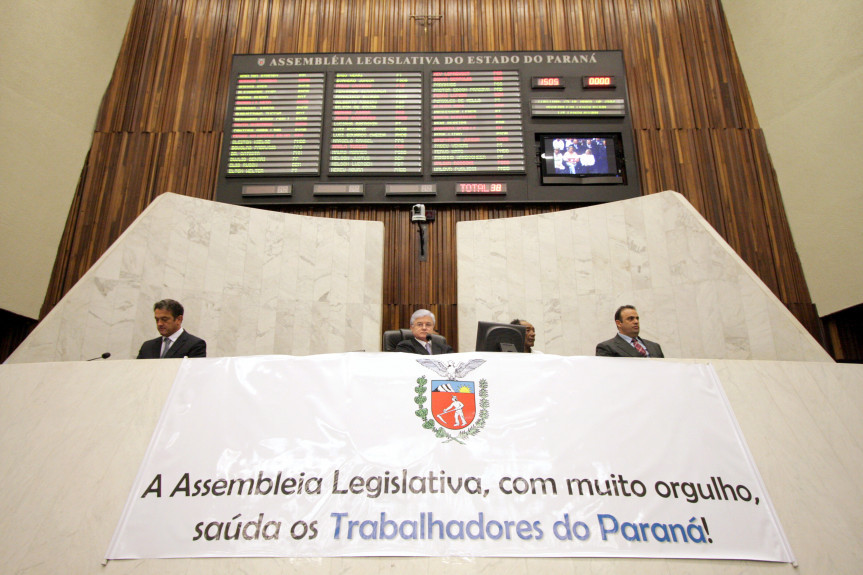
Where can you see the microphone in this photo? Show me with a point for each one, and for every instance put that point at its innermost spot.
(105, 355)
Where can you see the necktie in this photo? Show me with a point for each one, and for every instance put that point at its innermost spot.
(166, 345)
(639, 347)
(428, 347)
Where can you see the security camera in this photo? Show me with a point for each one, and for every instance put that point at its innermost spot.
(418, 213)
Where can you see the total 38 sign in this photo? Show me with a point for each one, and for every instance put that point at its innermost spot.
(466, 454)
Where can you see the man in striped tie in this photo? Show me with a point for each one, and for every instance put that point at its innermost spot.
(627, 343)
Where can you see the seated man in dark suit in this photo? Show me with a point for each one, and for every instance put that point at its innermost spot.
(174, 340)
(627, 343)
(529, 335)
(422, 326)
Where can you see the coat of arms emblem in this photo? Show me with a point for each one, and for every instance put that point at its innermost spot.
(456, 405)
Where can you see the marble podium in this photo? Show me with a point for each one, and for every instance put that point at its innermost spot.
(74, 433)
(567, 272)
(252, 282)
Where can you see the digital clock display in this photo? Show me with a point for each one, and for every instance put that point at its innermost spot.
(546, 82)
(481, 188)
(597, 82)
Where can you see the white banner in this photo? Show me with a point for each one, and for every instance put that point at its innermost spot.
(474, 454)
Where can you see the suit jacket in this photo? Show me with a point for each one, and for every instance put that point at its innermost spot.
(619, 347)
(411, 345)
(187, 345)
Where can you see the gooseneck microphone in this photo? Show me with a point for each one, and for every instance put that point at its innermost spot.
(105, 355)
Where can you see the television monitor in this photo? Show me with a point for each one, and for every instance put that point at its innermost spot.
(492, 336)
(588, 159)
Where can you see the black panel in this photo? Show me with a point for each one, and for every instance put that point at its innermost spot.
(445, 128)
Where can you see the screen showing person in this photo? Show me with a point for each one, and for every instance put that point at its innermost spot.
(581, 155)
(582, 159)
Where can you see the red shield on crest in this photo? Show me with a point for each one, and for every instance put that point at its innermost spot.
(453, 403)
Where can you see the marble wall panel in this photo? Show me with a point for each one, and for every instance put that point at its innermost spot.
(252, 282)
(695, 296)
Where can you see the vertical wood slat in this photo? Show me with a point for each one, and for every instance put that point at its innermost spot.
(160, 122)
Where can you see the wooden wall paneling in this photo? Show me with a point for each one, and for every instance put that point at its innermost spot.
(745, 109)
(401, 30)
(637, 38)
(288, 30)
(676, 58)
(452, 24)
(595, 28)
(654, 28)
(331, 15)
(336, 34)
(522, 29)
(499, 18)
(793, 288)
(656, 162)
(360, 35)
(312, 34)
(61, 270)
(155, 92)
(702, 186)
(350, 26)
(160, 123)
(243, 36)
(119, 94)
(750, 237)
(517, 30)
(739, 157)
(640, 72)
(370, 38)
(700, 63)
(737, 209)
(555, 23)
(172, 68)
(215, 70)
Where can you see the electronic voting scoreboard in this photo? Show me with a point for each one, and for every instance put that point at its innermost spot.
(436, 128)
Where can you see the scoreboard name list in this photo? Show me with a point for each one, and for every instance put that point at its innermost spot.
(307, 116)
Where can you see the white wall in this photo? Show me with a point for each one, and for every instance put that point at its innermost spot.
(803, 63)
(56, 59)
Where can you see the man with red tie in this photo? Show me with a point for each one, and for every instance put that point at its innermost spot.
(627, 343)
